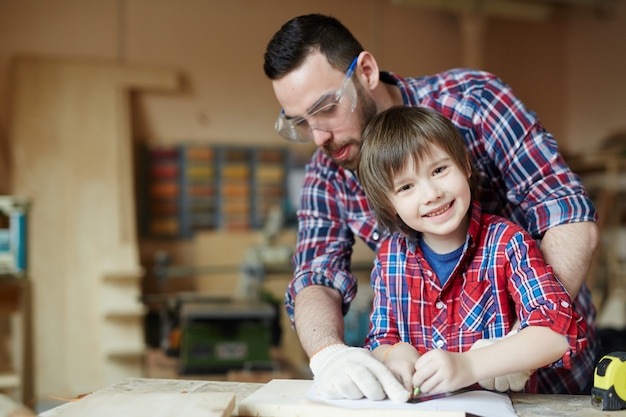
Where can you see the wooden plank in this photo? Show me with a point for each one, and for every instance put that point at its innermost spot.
(170, 404)
(286, 398)
(144, 386)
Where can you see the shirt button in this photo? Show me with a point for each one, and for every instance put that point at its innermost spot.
(439, 343)
(439, 305)
(375, 235)
(565, 304)
(429, 273)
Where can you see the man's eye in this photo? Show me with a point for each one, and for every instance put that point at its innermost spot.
(327, 109)
(300, 122)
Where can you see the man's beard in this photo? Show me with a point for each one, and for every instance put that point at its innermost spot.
(364, 114)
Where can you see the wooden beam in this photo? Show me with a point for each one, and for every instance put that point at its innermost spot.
(473, 30)
(487, 8)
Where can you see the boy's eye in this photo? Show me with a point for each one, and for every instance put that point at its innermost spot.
(404, 187)
(439, 170)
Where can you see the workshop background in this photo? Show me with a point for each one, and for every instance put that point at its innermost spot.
(137, 141)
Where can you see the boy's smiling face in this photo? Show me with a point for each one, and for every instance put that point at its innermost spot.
(433, 196)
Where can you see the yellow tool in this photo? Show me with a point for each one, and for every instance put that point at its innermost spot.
(609, 382)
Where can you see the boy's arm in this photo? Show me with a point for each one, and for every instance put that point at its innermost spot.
(531, 348)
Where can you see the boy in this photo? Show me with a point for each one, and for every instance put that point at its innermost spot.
(450, 275)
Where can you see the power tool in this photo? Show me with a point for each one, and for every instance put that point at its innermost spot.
(609, 383)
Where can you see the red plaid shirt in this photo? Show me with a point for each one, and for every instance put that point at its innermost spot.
(499, 277)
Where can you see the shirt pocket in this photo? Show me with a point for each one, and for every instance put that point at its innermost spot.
(477, 307)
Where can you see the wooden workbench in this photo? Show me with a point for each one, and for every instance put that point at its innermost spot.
(525, 405)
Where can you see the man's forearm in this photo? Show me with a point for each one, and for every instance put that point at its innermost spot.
(318, 318)
(569, 249)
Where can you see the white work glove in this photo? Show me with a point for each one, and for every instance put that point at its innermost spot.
(341, 371)
(513, 382)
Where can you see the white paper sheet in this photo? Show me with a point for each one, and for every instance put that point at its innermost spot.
(480, 403)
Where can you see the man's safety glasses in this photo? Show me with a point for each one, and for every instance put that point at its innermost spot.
(330, 112)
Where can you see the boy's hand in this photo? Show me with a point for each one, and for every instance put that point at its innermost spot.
(438, 371)
(348, 372)
(400, 359)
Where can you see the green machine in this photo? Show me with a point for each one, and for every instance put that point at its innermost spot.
(219, 336)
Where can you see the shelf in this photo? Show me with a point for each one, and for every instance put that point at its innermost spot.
(124, 276)
(126, 355)
(136, 314)
(205, 187)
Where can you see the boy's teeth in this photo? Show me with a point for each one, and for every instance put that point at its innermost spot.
(439, 212)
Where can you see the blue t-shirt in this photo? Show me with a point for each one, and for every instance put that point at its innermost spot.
(442, 263)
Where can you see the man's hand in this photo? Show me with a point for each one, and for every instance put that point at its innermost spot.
(513, 382)
(349, 372)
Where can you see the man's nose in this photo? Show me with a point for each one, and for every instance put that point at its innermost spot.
(320, 137)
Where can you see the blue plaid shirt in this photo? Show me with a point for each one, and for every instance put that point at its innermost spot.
(522, 177)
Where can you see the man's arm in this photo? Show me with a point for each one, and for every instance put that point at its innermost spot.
(568, 248)
(318, 318)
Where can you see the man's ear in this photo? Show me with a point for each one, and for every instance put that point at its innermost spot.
(368, 72)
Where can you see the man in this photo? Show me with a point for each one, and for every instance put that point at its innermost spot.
(329, 88)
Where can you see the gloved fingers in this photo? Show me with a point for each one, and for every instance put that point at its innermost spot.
(502, 383)
(517, 381)
(337, 385)
(351, 381)
(368, 382)
(390, 384)
(489, 384)
(343, 388)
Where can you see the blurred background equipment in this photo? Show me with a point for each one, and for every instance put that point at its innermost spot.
(211, 334)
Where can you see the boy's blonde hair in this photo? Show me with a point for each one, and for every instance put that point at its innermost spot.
(390, 139)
